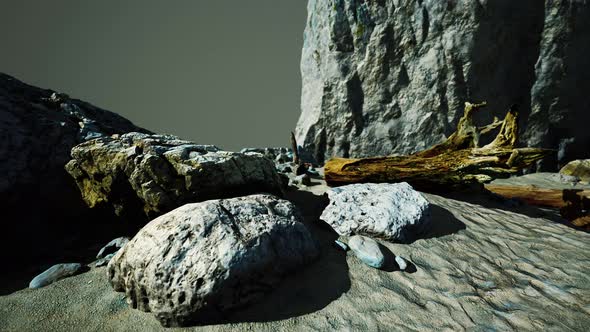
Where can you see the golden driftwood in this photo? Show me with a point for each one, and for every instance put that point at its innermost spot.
(456, 162)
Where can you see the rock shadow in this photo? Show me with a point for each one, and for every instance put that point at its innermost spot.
(41, 241)
(442, 223)
(390, 265)
(312, 288)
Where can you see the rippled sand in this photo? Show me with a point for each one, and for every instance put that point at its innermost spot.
(485, 265)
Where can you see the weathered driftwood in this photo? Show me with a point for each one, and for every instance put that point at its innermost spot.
(532, 195)
(456, 162)
(295, 150)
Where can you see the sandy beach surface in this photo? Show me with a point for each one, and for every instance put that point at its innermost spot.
(485, 265)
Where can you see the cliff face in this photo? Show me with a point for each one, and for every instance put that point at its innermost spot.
(384, 77)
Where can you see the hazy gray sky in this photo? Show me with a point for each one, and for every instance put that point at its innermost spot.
(217, 72)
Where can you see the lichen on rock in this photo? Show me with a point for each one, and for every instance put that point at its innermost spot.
(142, 175)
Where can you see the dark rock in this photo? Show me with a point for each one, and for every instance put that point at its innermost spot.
(387, 77)
(38, 129)
(204, 259)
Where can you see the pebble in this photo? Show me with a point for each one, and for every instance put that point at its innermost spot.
(112, 247)
(55, 273)
(303, 179)
(401, 262)
(104, 261)
(367, 250)
(341, 245)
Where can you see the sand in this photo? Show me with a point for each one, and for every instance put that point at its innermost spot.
(484, 266)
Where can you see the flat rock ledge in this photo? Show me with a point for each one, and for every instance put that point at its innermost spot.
(143, 175)
(391, 211)
(192, 265)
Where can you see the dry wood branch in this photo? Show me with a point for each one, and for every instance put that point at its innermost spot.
(456, 162)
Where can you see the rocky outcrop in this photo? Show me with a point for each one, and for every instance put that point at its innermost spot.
(392, 211)
(38, 128)
(40, 200)
(204, 259)
(141, 175)
(390, 77)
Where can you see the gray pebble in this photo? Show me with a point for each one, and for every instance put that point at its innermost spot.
(401, 263)
(104, 261)
(367, 250)
(55, 273)
(341, 245)
(112, 246)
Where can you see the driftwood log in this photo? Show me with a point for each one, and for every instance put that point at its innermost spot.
(457, 162)
(532, 195)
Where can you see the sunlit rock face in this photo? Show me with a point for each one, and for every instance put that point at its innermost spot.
(384, 77)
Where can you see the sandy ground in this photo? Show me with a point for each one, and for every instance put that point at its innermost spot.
(484, 266)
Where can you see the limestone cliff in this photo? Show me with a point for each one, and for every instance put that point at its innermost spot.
(384, 77)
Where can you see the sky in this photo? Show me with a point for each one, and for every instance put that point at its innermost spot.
(216, 72)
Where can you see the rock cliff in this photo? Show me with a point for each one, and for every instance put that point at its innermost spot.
(385, 77)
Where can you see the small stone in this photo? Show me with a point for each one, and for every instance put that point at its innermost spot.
(284, 168)
(401, 262)
(303, 179)
(104, 261)
(282, 158)
(55, 273)
(341, 245)
(112, 247)
(313, 172)
(367, 250)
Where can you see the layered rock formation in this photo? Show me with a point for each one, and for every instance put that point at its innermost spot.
(386, 77)
(204, 259)
(141, 175)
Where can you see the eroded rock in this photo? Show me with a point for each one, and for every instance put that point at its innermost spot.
(394, 212)
(203, 259)
(143, 175)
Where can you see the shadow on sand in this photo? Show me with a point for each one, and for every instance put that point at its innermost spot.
(38, 242)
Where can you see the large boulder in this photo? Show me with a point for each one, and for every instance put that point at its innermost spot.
(384, 77)
(142, 176)
(204, 259)
(391, 211)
